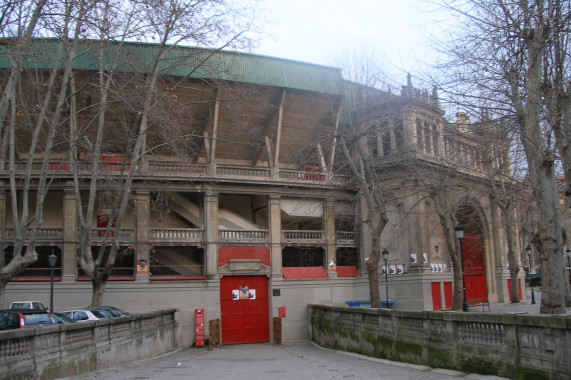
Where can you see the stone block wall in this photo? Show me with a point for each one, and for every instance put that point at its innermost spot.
(508, 345)
(65, 350)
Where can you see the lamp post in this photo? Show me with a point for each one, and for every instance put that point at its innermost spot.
(385, 254)
(459, 230)
(528, 250)
(52, 261)
(568, 253)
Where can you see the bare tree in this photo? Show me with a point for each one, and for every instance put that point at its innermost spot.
(512, 58)
(37, 123)
(359, 125)
(169, 23)
(76, 109)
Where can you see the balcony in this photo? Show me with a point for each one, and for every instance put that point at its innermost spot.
(184, 171)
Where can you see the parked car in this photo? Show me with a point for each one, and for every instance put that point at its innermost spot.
(19, 319)
(61, 319)
(115, 312)
(28, 305)
(84, 315)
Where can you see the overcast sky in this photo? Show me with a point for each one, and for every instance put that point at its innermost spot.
(323, 31)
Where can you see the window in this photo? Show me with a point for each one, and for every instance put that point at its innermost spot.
(303, 257)
(303, 262)
(41, 268)
(123, 268)
(176, 262)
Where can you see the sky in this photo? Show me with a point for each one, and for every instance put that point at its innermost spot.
(323, 31)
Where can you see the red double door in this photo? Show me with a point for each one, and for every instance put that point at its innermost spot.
(244, 309)
(474, 269)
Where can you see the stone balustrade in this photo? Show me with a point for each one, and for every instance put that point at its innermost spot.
(66, 350)
(517, 346)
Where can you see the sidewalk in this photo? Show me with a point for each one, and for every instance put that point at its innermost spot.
(523, 307)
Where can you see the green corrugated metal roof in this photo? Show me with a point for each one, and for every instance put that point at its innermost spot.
(189, 61)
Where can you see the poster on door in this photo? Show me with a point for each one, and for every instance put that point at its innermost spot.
(243, 294)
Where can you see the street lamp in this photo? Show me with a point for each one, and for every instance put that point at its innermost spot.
(568, 195)
(52, 261)
(568, 253)
(385, 254)
(528, 250)
(459, 230)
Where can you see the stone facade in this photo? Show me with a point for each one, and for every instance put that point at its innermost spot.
(256, 188)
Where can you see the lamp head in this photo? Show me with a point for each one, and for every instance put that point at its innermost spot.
(459, 230)
(385, 254)
(52, 259)
(528, 250)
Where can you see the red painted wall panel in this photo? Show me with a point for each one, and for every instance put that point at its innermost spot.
(347, 271)
(225, 254)
(304, 272)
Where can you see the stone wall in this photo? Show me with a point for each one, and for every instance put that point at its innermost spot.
(66, 350)
(517, 346)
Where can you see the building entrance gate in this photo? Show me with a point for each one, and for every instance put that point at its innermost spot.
(245, 309)
(474, 269)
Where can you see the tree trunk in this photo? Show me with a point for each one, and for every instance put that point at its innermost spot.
(98, 284)
(373, 273)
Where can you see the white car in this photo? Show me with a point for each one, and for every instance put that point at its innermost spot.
(84, 315)
(28, 305)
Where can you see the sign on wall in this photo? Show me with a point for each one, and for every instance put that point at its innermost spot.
(243, 294)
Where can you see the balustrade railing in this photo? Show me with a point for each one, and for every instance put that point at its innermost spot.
(238, 171)
(244, 235)
(42, 235)
(345, 238)
(126, 235)
(161, 235)
(181, 170)
(303, 236)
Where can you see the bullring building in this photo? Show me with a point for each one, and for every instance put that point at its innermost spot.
(241, 201)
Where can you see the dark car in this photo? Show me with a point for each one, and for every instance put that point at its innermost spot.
(115, 312)
(61, 319)
(19, 319)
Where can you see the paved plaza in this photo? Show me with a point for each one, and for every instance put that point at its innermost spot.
(268, 361)
(290, 361)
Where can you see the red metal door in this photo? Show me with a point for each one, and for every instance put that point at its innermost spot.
(448, 295)
(474, 269)
(436, 302)
(510, 288)
(244, 309)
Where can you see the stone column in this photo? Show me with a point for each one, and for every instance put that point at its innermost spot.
(211, 233)
(70, 225)
(142, 227)
(275, 235)
(329, 229)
